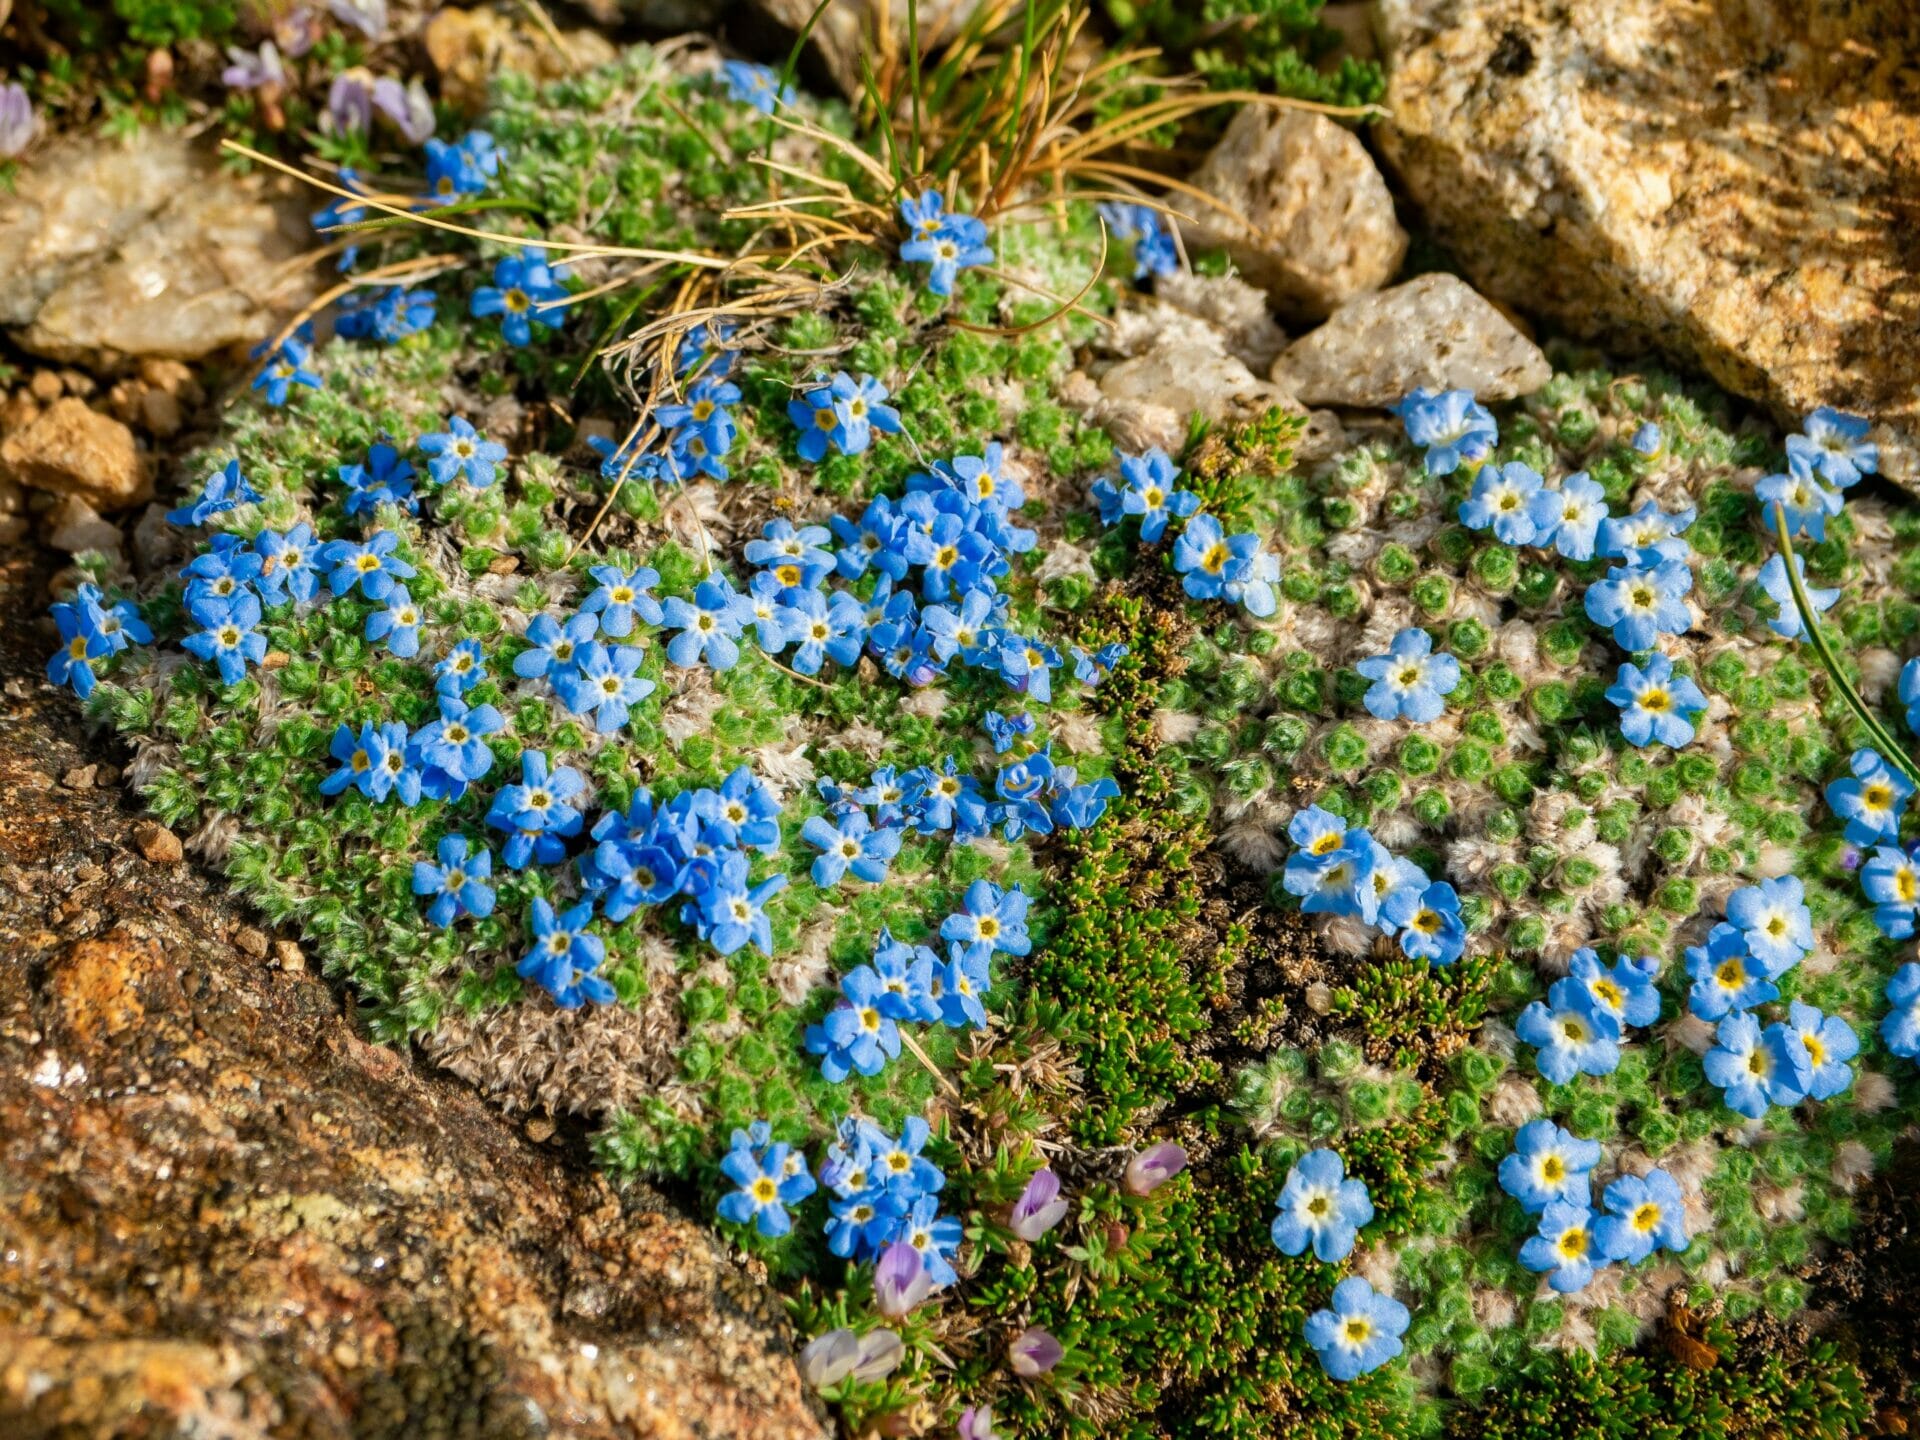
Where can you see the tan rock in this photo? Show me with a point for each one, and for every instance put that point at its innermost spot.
(161, 413)
(469, 47)
(1432, 331)
(1305, 214)
(71, 450)
(158, 844)
(145, 247)
(1635, 171)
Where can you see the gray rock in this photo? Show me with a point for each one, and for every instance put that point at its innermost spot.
(1733, 185)
(1305, 213)
(1433, 331)
(1233, 307)
(145, 248)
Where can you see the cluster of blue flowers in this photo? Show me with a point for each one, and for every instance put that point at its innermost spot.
(698, 847)
(911, 983)
(1154, 252)
(885, 1191)
(1322, 1208)
(699, 430)
(1638, 600)
(949, 538)
(1828, 458)
(92, 627)
(1577, 1029)
(1337, 870)
(230, 586)
(1213, 564)
(944, 240)
(383, 761)
(843, 413)
(522, 286)
(1768, 930)
(1031, 794)
(1549, 1171)
(388, 314)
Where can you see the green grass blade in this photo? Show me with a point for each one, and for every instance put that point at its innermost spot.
(1889, 748)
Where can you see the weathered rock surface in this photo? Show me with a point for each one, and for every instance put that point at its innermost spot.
(468, 47)
(223, 1213)
(1737, 185)
(1320, 226)
(1433, 331)
(147, 247)
(1233, 307)
(71, 449)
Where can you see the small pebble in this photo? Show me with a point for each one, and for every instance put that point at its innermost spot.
(159, 844)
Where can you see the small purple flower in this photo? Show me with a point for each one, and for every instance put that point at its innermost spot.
(881, 1352)
(900, 1280)
(1034, 1352)
(828, 1359)
(253, 69)
(350, 100)
(1153, 1167)
(407, 106)
(976, 1423)
(17, 123)
(369, 17)
(1039, 1207)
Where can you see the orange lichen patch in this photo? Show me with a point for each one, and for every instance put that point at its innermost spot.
(96, 984)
